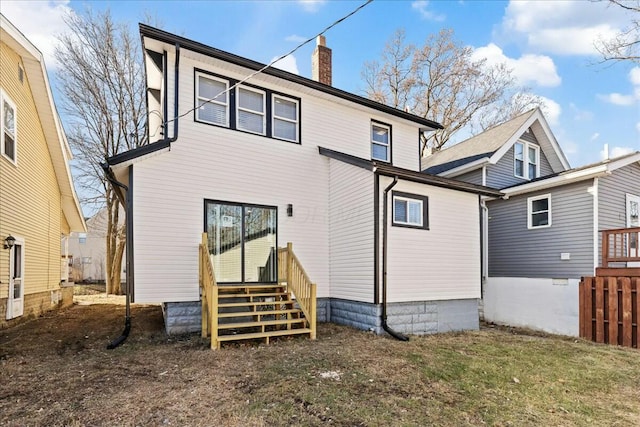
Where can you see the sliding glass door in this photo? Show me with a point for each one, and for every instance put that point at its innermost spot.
(242, 242)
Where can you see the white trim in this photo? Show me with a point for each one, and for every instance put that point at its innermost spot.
(530, 212)
(536, 148)
(14, 311)
(526, 159)
(262, 113)
(484, 175)
(523, 159)
(6, 98)
(207, 100)
(274, 117)
(468, 167)
(387, 145)
(596, 220)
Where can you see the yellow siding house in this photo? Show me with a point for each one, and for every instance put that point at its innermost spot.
(38, 204)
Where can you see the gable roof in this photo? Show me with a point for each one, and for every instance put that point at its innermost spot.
(51, 126)
(386, 169)
(491, 145)
(175, 41)
(590, 171)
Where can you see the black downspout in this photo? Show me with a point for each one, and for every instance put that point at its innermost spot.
(385, 220)
(127, 319)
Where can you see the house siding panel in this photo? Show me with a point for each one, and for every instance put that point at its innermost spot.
(30, 205)
(442, 263)
(351, 232)
(612, 191)
(473, 177)
(516, 251)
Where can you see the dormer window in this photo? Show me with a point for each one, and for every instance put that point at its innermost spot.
(526, 160)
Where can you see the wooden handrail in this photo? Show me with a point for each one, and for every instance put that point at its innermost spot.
(298, 282)
(209, 294)
(620, 245)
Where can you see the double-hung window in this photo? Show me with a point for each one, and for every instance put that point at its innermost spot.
(539, 211)
(526, 160)
(285, 118)
(251, 110)
(380, 142)
(212, 100)
(8, 129)
(410, 210)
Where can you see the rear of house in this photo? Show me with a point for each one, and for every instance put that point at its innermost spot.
(280, 158)
(38, 205)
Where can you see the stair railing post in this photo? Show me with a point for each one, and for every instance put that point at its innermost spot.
(289, 264)
(313, 311)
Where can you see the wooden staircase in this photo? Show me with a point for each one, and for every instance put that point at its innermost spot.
(257, 310)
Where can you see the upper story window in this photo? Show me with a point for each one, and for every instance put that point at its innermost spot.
(380, 142)
(247, 108)
(539, 211)
(410, 210)
(212, 100)
(251, 110)
(8, 129)
(285, 118)
(526, 160)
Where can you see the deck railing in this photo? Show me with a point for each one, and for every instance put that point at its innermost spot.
(620, 246)
(298, 282)
(209, 294)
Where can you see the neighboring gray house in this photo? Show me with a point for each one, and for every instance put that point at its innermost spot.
(543, 236)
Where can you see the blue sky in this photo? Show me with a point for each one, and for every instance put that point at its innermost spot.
(548, 44)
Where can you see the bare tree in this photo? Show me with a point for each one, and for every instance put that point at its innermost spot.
(441, 81)
(103, 89)
(624, 46)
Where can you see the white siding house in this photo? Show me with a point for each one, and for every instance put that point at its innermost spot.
(287, 159)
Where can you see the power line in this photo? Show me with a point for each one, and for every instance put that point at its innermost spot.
(230, 88)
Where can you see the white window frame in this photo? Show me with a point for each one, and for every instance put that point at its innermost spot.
(263, 113)
(416, 199)
(199, 99)
(387, 145)
(526, 161)
(274, 117)
(530, 211)
(5, 98)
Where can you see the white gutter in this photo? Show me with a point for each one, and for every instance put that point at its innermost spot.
(594, 192)
(597, 171)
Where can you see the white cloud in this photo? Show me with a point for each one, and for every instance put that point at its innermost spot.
(618, 99)
(288, 63)
(422, 7)
(40, 21)
(594, 136)
(551, 110)
(638, 127)
(536, 69)
(295, 38)
(563, 27)
(311, 6)
(579, 114)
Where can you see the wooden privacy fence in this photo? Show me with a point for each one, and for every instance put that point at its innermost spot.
(291, 270)
(609, 308)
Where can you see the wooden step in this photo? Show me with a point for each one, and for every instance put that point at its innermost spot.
(267, 335)
(254, 303)
(248, 288)
(259, 313)
(261, 323)
(260, 295)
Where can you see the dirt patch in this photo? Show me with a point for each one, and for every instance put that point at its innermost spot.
(56, 371)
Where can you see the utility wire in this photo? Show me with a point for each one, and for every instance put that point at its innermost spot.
(230, 88)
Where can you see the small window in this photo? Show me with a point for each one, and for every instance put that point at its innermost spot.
(8, 127)
(526, 160)
(539, 211)
(380, 142)
(285, 118)
(251, 110)
(212, 101)
(86, 260)
(410, 210)
(82, 238)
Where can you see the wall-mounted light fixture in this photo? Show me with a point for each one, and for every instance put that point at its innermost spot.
(9, 241)
(289, 209)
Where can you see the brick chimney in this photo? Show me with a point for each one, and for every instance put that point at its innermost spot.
(321, 62)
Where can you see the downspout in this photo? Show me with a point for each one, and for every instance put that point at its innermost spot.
(127, 319)
(385, 204)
